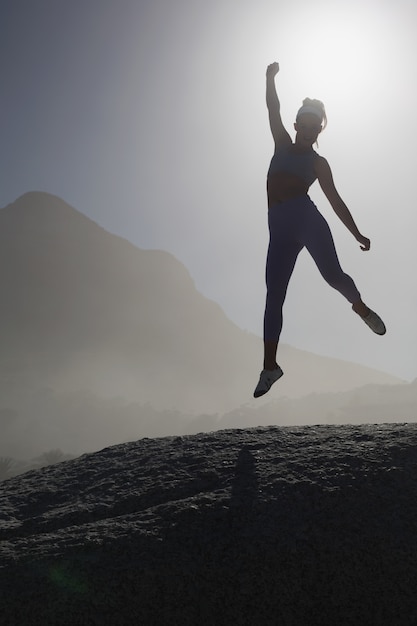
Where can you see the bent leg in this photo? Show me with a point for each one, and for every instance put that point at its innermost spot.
(319, 242)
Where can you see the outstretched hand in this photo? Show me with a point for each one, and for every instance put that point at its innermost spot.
(365, 242)
(272, 69)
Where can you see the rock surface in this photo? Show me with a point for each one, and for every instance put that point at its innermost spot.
(292, 526)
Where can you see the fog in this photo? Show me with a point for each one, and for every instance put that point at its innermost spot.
(102, 343)
(150, 118)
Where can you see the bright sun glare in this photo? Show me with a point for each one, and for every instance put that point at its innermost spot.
(334, 52)
(344, 57)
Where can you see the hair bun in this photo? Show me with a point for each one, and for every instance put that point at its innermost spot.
(318, 106)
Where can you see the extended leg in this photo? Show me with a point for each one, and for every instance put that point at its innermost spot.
(281, 259)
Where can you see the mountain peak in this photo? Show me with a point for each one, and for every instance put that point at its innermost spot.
(36, 209)
(112, 317)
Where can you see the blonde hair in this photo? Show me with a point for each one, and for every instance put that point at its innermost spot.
(316, 107)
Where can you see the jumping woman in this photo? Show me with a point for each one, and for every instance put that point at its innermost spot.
(295, 222)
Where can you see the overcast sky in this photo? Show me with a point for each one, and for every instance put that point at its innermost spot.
(149, 117)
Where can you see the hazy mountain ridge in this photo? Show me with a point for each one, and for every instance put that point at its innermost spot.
(375, 404)
(86, 309)
(79, 422)
(104, 342)
(64, 265)
(91, 308)
(301, 525)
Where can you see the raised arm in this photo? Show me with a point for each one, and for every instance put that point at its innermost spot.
(279, 133)
(325, 178)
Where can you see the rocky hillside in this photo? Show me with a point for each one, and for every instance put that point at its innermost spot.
(298, 526)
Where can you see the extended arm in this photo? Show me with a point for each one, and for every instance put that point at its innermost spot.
(325, 178)
(279, 133)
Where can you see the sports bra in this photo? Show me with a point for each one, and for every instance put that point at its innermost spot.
(299, 163)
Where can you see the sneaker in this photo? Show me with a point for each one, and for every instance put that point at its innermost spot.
(266, 380)
(375, 323)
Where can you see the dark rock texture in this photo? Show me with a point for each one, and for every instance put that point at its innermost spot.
(283, 526)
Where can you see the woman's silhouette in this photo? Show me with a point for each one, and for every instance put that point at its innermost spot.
(294, 222)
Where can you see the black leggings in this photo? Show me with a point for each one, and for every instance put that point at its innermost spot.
(294, 224)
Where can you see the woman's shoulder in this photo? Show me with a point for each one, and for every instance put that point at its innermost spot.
(321, 166)
(320, 160)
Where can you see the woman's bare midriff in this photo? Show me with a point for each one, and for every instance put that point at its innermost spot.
(282, 186)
